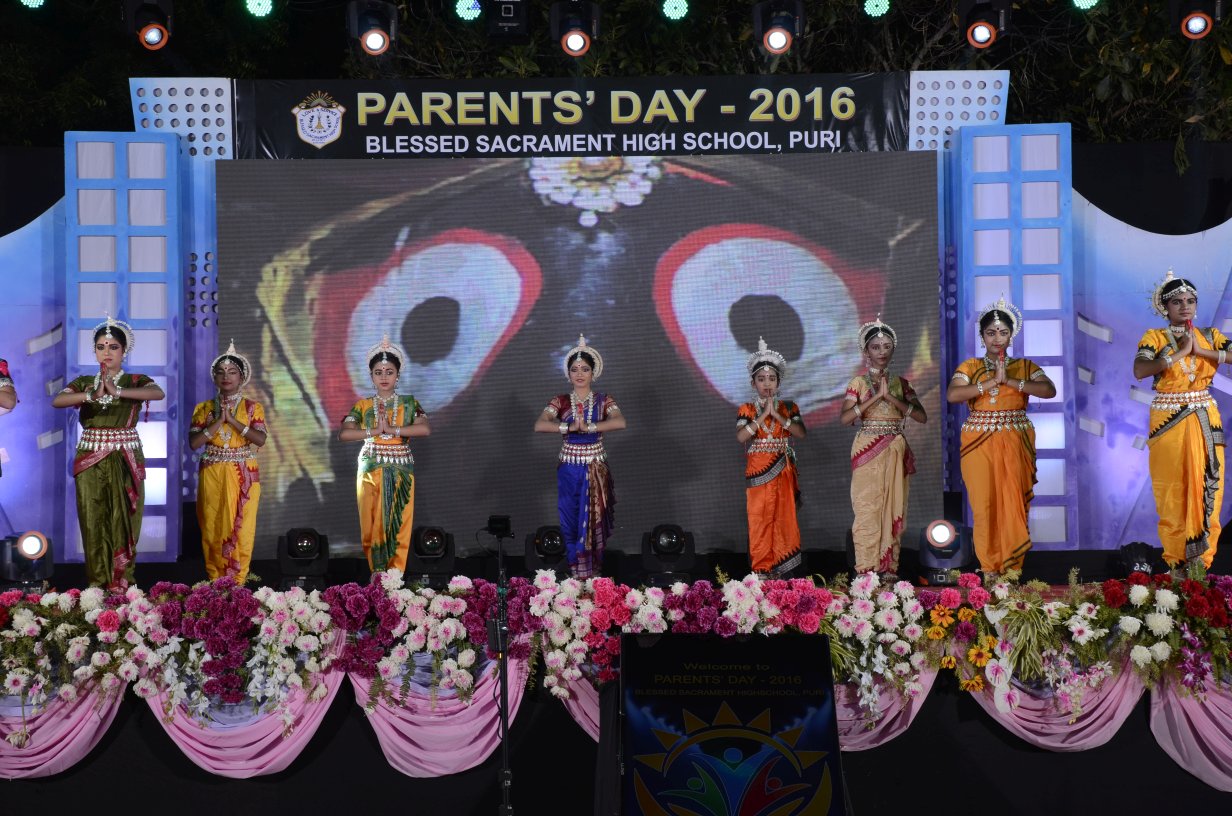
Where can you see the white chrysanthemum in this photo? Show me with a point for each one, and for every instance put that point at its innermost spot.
(1138, 594)
(1159, 623)
(1161, 651)
(888, 618)
(1166, 600)
(1129, 625)
(1140, 654)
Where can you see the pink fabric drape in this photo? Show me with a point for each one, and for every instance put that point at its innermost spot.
(897, 712)
(425, 740)
(1044, 724)
(583, 706)
(1195, 733)
(60, 736)
(255, 747)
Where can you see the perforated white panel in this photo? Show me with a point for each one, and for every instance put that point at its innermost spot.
(944, 100)
(198, 109)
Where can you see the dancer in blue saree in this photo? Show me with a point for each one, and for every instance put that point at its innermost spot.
(585, 496)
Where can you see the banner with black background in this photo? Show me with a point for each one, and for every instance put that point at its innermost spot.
(506, 118)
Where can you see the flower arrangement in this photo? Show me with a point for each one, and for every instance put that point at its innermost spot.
(61, 645)
(219, 643)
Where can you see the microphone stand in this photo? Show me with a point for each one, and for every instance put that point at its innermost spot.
(502, 659)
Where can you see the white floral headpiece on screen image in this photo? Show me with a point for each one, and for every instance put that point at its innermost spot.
(1006, 308)
(385, 351)
(1160, 305)
(882, 329)
(111, 325)
(766, 356)
(581, 346)
(245, 366)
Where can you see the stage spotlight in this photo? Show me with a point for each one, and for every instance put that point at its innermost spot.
(776, 24)
(1196, 18)
(374, 23)
(150, 20)
(1085, 5)
(545, 550)
(431, 559)
(668, 555)
(984, 20)
(1136, 556)
(944, 546)
(32, 3)
(876, 8)
(468, 10)
(675, 9)
(259, 8)
(574, 24)
(26, 561)
(303, 558)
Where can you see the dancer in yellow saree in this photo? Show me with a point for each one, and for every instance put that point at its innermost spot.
(109, 469)
(1186, 441)
(229, 428)
(772, 488)
(998, 440)
(385, 473)
(881, 459)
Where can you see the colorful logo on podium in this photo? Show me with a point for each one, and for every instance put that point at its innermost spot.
(727, 766)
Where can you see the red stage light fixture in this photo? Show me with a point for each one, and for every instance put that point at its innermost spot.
(150, 20)
(777, 23)
(1196, 18)
(373, 23)
(575, 25)
(984, 20)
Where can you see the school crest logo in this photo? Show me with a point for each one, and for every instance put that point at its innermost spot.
(318, 119)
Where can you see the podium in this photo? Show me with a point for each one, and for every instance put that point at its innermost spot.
(719, 726)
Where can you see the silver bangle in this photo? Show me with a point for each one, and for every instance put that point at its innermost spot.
(1223, 356)
(787, 424)
(1167, 358)
(119, 391)
(856, 407)
(591, 427)
(979, 386)
(564, 428)
(244, 433)
(1022, 384)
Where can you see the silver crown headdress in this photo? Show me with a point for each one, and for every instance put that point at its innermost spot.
(1160, 305)
(766, 356)
(130, 337)
(385, 350)
(881, 329)
(1005, 307)
(590, 350)
(245, 366)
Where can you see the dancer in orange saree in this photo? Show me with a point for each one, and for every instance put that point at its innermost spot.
(881, 459)
(229, 427)
(109, 469)
(998, 440)
(1186, 440)
(385, 472)
(772, 488)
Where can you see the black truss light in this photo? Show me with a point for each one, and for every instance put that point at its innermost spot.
(431, 559)
(777, 24)
(303, 558)
(150, 21)
(26, 561)
(373, 23)
(545, 550)
(1195, 19)
(669, 553)
(575, 25)
(984, 20)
